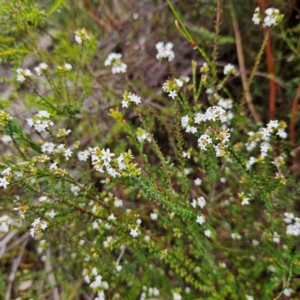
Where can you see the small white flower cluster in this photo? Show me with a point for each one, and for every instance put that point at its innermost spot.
(198, 202)
(263, 136)
(245, 199)
(130, 98)
(102, 159)
(65, 67)
(81, 36)
(83, 155)
(172, 86)
(114, 61)
(51, 148)
(251, 162)
(63, 132)
(177, 296)
(38, 226)
(164, 51)
(272, 17)
(235, 236)
(222, 139)
(40, 121)
(292, 228)
(4, 118)
(4, 181)
(142, 135)
(276, 237)
(229, 69)
(122, 165)
(74, 189)
(94, 279)
(225, 103)
(42, 67)
(152, 292)
(5, 221)
(22, 75)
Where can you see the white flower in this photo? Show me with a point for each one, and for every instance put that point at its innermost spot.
(48, 147)
(106, 155)
(134, 98)
(200, 220)
(125, 103)
(68, 153)
(74, 189)
(201, 202)
(112, 217)
(165, 51)
(276, 237)
(97, 282)
(172, 94)
(251, 162)
(293, 229)
(203, 141)
(83, 155)
(225, 103)
(249, 297)
(114, 61)
(81, 35)
(184, 121)
(255, 242)
(68, 67)
(40, 121)
(288, 217)
(191, 129)
(197, 181)
(38, 225)
(22, 75)
(288, 292)
(282, 134)
(3, 182)
(40, 68)
(245, 201)
(118, 202)
(179, 82)
(235, 236)
(134, 232)
(153, 216)
(256, 16)
(208, 233)
(229, 69)
(273, 17)
(177, 296)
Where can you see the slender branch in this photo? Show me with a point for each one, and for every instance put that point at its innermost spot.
(241, 60)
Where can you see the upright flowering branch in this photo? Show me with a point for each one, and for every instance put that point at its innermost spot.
(190, 39)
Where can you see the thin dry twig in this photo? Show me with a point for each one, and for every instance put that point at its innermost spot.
(241, 59)
(15, 265)
(51, 276)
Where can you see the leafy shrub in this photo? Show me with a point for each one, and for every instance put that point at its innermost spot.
(113, 187)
